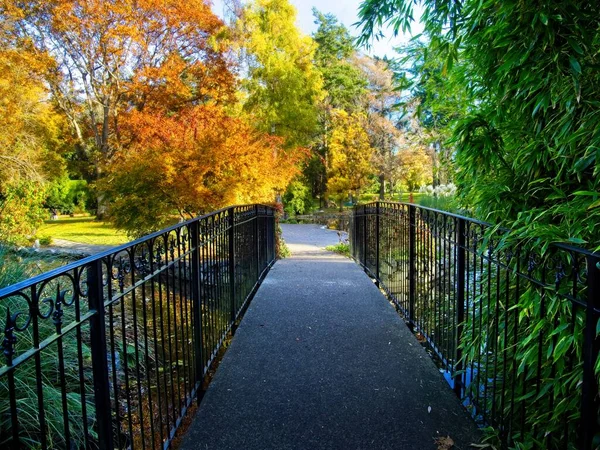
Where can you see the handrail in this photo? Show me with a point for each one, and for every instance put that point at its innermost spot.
(562, 245)
(116, 249)
(118, 345)
(503, 322)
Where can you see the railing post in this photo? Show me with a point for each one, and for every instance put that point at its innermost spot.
(351, 229)
(412, 268)
(257, 239)
(197, 303)
(99, 355)
(460, 306)
(591, 346)
(231, 214)
(272, 237)
(377, 241)
(364, 236)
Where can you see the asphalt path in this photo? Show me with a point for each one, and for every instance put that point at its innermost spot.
(321, 360)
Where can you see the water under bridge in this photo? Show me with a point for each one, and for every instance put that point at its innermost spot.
(416, 347)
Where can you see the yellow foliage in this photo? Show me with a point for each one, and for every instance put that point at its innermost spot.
(350, 154)
(29, 129)
(283, 87)
(416, 168)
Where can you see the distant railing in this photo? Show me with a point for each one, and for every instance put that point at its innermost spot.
(513, 329)
(109, 352)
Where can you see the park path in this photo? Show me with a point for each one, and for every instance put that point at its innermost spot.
(321, 360)
(76, 248)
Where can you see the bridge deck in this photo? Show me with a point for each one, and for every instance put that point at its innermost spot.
(322, 361)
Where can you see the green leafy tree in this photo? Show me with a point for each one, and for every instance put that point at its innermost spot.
(296, 199)
(343, 81)
(283, 87)
(344, 84)
(436, 98)
(527, 150)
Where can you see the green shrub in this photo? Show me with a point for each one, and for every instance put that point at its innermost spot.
(21, 210)
(343, 248)
(297, 199)
(45, 240)
(13, 270)
(67, 196)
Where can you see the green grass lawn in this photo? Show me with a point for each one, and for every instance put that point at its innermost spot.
(83, 229)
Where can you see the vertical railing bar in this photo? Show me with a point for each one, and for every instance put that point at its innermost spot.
(132, 268)
(197, 306)
(38, 364)
(377, 244)
(99, 356)
(591, 347)
(146, 354)
(412, 278)
(365, 236)
(257, 243)
(155, 337)
(231, 215)
(460, 306)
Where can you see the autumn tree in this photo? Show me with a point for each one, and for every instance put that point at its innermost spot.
(344, 85)
(350, 156)
(115, 56)
(414, 167)
(380, 103)
(282, 87)
(29, 129)
(190, 162)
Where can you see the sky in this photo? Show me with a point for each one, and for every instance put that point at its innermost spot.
(346, 12)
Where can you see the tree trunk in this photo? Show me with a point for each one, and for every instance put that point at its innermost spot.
(435, 164)
(381, 187)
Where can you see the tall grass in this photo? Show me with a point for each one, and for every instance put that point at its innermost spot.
(15, 268)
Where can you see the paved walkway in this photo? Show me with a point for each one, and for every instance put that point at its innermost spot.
(76, 248)
(322, 361)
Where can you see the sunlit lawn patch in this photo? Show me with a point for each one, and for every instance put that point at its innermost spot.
(84, 229)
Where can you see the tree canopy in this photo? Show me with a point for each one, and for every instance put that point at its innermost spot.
(150, 111)
(527, 145)
(283, 86)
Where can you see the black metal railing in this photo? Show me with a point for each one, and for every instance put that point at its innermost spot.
(513, 328)
(110, 351)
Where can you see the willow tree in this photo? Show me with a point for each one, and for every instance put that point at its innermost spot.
(527, 149)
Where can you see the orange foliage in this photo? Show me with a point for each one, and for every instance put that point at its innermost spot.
(115, 55)
(191, 162)
(145, 84)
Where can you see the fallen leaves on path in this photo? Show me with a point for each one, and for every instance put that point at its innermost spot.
(444, 443)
